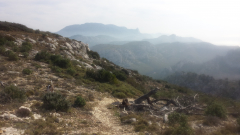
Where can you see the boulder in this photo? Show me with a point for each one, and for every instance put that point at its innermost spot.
(10, 117)
(37, 116)
(123, 113)
(130, 120)
(23, 111)
(165, 118)
(32, 40)
(55, 114)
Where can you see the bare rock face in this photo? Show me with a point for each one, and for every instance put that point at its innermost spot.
(79, 48)
(10, 117)
(72, 48)
(37, 116)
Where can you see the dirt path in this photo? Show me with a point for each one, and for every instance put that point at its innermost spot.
(111, 122)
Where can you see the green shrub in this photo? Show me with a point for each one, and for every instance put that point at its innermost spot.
(2, 50)
(27, 71)
(9, 38)
(15, 93)
(9, 43)
(43, 56)
(2, 41)
(120, 75)
(136, 85)
(79, 102)
(12, 56)
(36, 65)
(141, 125)
(8, 52)
(93, 54)
(15, 48)
(59, 61)
(37, 31)
(71, 71)
(102, 76)
(119, 95)
(55, 101)
(44, 35)
(56, 69)
(179, 124)
(215, 109)
(182, 130)
(26, 47)
(177, 118)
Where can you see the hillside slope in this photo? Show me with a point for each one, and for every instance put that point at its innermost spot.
(54, 85)
(157, 61)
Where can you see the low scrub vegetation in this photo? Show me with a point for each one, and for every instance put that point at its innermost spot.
(27, 71)
(211, 121)
(93, 54)
(79, 102)
(26, 47)
(215, 109)
(12, 93)
(102, 76)
(179, 125)
(55, 101)
(43, 127)
(8, 26)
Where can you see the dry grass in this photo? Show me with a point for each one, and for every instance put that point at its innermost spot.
(228, 129)
(211, 121)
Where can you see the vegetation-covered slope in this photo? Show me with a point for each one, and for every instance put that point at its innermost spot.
(82, 87)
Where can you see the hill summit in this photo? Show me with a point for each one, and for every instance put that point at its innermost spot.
(95, 29)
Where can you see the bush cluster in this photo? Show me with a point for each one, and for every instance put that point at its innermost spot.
(71, 71)
(55, 101)
(215, 109)
(8, 26)
(11, 93)
(43, 56)
(179, 124)
(93, 54)
(26, 47)
(60, 61)
(11, 55)
(56, 60)
(102, 76)
(120, 75)
(79, 102)
(177, 118)
(27, 71)
(6, 40)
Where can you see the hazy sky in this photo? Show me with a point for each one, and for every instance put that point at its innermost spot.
(215, 21)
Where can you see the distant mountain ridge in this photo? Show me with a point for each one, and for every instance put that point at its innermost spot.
(157, 61)
(171, 39)
(94, 40)
(98, 33)
(95, 29)
(227, 66)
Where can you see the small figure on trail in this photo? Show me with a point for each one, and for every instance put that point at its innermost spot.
(50, 88)
(2, 84)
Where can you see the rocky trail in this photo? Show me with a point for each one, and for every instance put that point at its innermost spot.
(112, 123)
